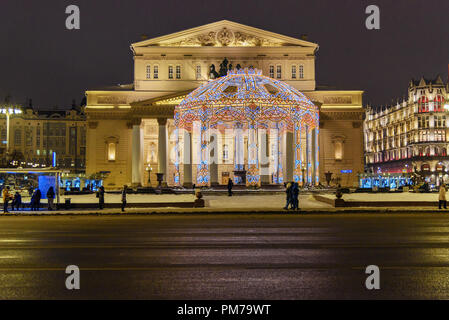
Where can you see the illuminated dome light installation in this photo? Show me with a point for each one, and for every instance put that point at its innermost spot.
(250, 103)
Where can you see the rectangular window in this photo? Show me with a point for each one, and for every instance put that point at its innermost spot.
(178, 72)
(156, 72)
(293, 72)
(170, 72)
(278, 72)
(301, 72)
(271, 71)
(198, 72)
(148, 72)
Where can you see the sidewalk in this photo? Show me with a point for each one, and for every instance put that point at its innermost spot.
(222, 204)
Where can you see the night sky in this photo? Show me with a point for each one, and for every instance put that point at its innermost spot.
(42, 60)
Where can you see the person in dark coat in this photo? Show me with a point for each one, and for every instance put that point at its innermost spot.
(288, 188)
(295, 195)
(50, 197)
(230, 185)
(124, 197)
(17, 201)
(101, 198)
(36, 200)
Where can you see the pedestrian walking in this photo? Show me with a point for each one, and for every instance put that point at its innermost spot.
(50, 198)
(17, 201)
(230, 185)
(101, 198)
(442, 196)
(288, 187)
(6, 198)
(124, 197)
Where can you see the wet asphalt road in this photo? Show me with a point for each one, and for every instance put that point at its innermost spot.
(225, 256)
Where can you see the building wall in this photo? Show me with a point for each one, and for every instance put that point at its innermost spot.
(35, 135)
(410, 136)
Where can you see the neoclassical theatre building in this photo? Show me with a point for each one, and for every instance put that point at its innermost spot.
(224, 101)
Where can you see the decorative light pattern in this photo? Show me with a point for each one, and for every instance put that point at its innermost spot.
(251, 101)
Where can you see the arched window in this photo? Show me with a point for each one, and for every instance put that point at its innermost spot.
(170, 72)
(301, 72)
(148, 72)
(111, 148)
(112, 151)
(423, 104)
(156, 72)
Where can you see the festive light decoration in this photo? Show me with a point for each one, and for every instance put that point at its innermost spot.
(250, 101)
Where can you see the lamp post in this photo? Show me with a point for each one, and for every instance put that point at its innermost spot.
(9, 109)
(149, 169)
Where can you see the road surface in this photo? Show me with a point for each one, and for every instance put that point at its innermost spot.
(225, 256)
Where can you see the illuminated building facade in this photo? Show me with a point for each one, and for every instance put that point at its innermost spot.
(410, 136)
(36, 135)
(133, 133)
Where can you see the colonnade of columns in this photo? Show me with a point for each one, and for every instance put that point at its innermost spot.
(295, 156)
(295, 159)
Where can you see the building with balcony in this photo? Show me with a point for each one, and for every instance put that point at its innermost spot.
(410, 136)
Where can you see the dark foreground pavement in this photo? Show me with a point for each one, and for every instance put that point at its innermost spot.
(225, 256)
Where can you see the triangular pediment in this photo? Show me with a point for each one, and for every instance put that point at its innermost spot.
(224, 33)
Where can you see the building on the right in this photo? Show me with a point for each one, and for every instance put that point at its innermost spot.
(411, 136)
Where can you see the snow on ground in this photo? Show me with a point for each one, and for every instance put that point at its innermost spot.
(255, 201)
(403, 196)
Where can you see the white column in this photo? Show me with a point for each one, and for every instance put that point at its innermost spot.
(264, 157)
(187, 159)
(213, 159)
(162, 151)
(289, 146)
(137, 145)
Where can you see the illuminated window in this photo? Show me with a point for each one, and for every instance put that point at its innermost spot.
(112, 150)
(170, 72)
(278, 72)
(293, 72)
(338, 149)
(148, 72)
(156, 72)
(438, 103)
(301, 72)
(198, 72)
(271, 71)
(178, 72)
(423, 104)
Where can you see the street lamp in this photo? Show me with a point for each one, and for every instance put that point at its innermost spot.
(8, 110)
(149, 169)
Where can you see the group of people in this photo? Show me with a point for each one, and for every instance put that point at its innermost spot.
(292, 192)
(35, 202)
